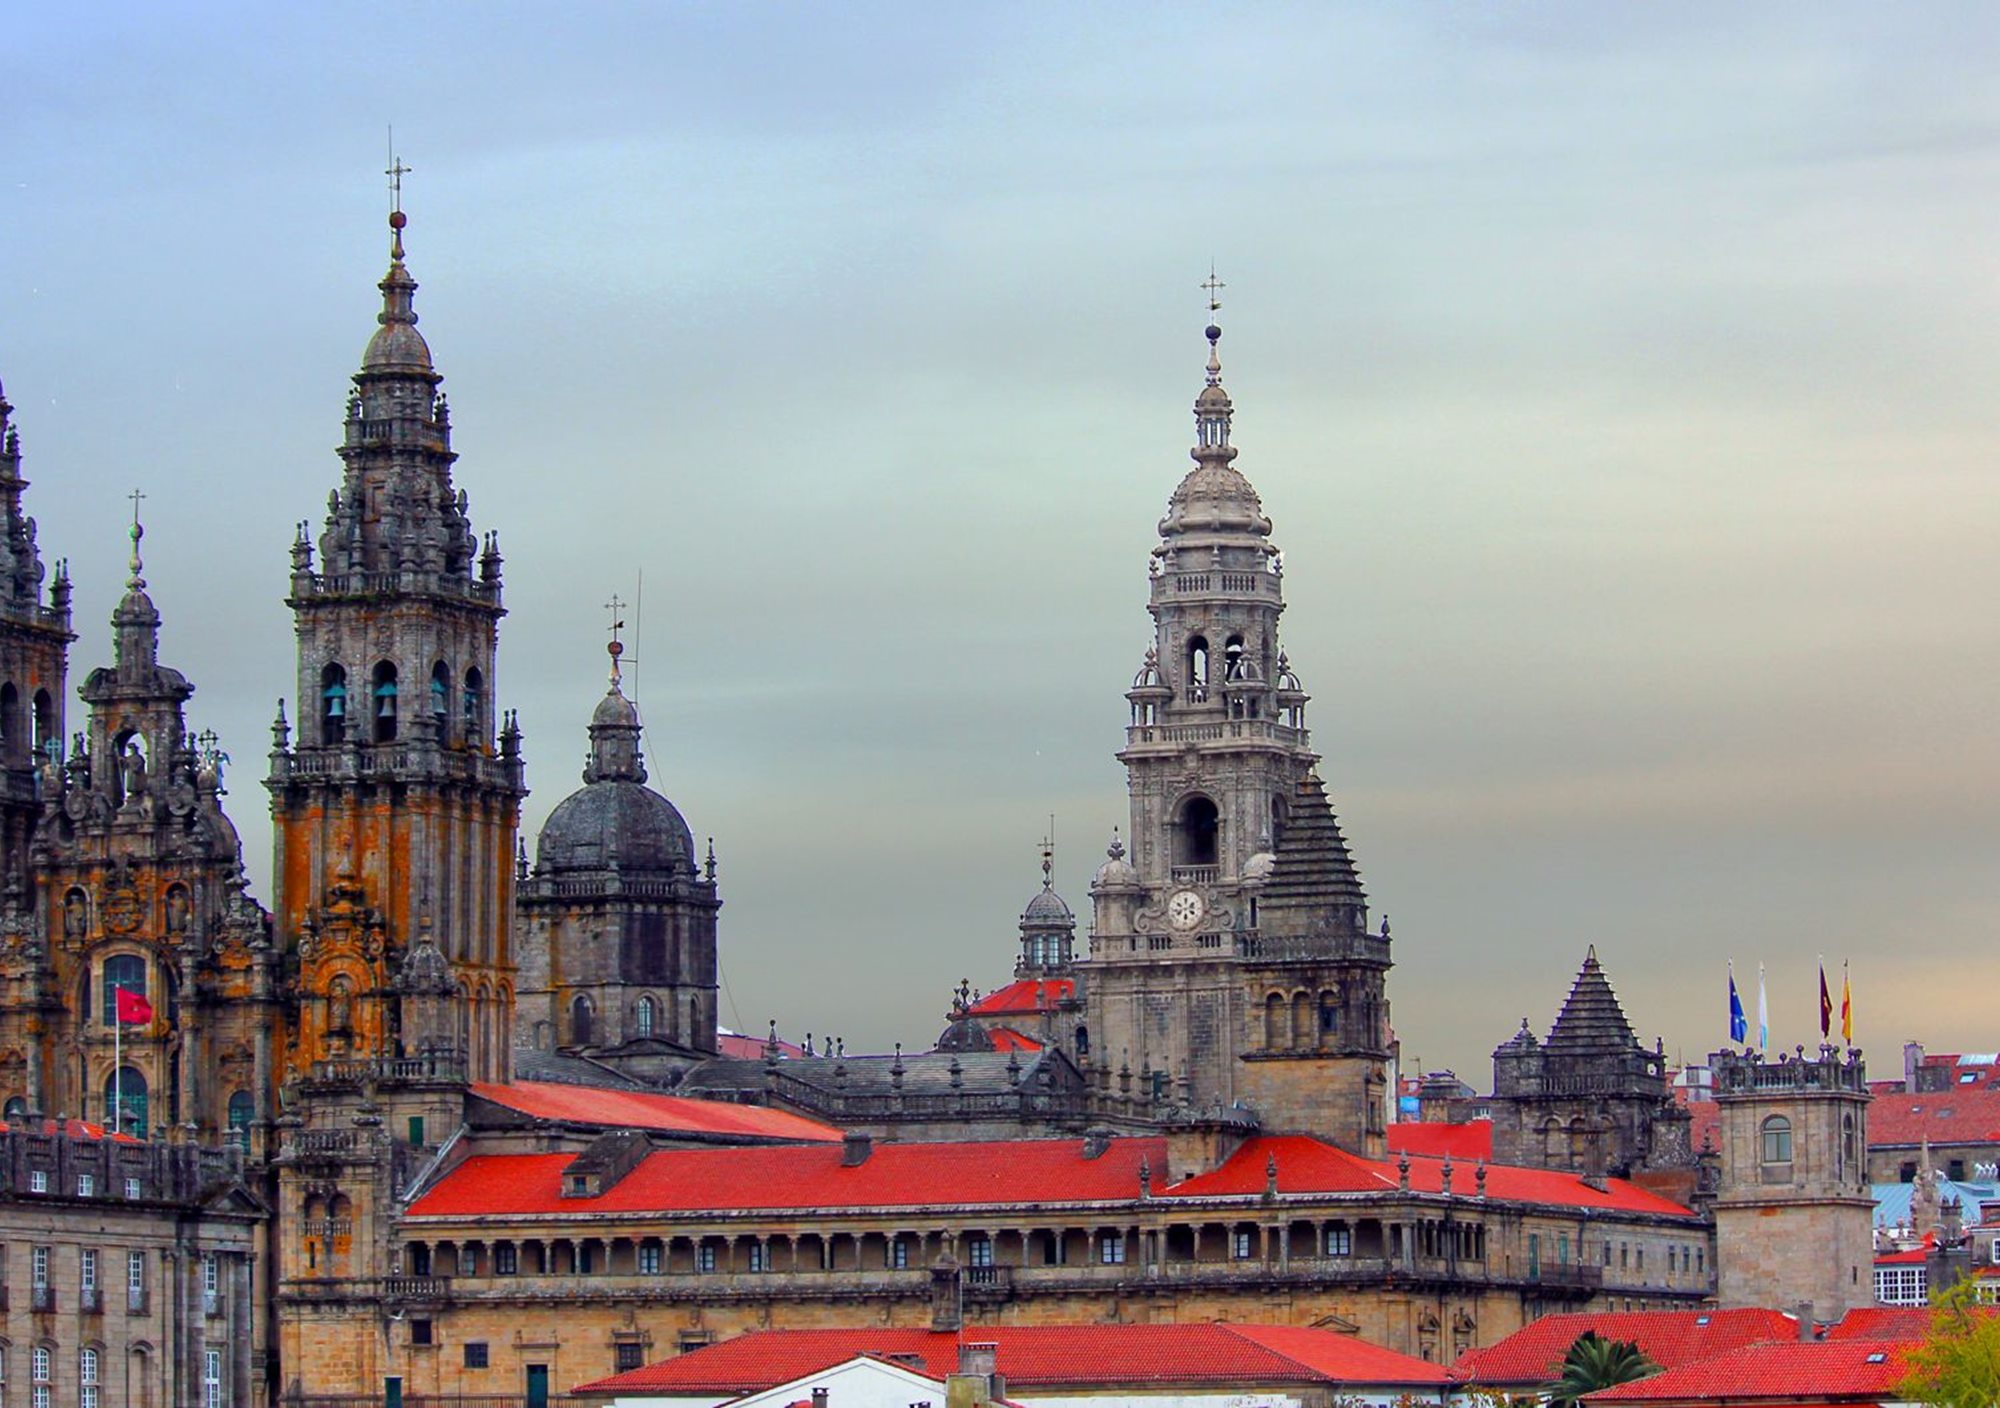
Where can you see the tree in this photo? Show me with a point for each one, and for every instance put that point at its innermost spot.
(1957, 1363)
(1594, 1362)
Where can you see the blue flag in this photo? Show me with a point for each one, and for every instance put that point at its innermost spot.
(1739, 1025)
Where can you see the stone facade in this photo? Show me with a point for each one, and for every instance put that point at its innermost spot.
(128, 1271)
(1794, 1218)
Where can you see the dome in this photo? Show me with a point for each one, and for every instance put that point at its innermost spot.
(1115, 871)
(1047, 908)
(394, 346)
(615, 824)
(614, 710)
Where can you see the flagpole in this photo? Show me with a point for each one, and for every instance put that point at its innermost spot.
(117, 1064)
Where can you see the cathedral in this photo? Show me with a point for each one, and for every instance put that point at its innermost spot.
(407, 1089)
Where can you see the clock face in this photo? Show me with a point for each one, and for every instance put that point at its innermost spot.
(1185, 909)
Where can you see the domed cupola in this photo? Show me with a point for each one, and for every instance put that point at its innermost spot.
(1214, 495)
(614, 822)
(1048, 928)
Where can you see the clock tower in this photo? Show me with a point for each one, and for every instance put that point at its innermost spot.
(1230, 959)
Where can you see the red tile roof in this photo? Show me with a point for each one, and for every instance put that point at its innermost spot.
(1670, 1338)
(1960, 1116)
(636, 1109)
(1306, 1165)
(1471, 1140)
(1042, 1356)
(1773, 1373)
(1025, 995)
(1007, 1039)
(1883, 1322)
(996, 1173)
(735, 1046)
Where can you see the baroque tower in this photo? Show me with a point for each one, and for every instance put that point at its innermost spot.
(34, 662)
(618, 921)
(396, 809)
(139, 881)
(1230, 959)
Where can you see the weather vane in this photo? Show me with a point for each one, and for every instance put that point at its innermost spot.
(617, 647)
(1213, 286)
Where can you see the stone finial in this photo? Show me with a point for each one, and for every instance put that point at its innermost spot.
(1403, 1173)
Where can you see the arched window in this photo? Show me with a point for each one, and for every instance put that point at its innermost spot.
(643, 1019)
(1302, 1022)
(241, 1111)
(385, 702)
(441, 699)
(1197, 672)
(1848, 1162)
(579, 1022)
(333, 704)
(1083, 1041)
(1329, 1015)
(124, 971)
(1274, 1022)
(16, 1109)
(1777, 1140)
(473, 705)
(1232, 658)
(47, 740)
(10, 717)
(1196, 832)
(125, 1094)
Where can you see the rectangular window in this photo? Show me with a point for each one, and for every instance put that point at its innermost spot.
(88, 1269)
(980, 1251)
(211, 1273)
(506, 1259)
(417, 1130)
(135, 1280)
(40, 1268)
(38, 1180)
(627, 1357)
(420, 1332)
(758, 1255)
(1241, 1244)
(1639, 1258)
(475, 1354)
(704, 1257)
(1339, 1242)
(1111, 1250)
(649, 1258)
(86, 1185)
(899, 1255)
(211, 1378)
(132, 1189)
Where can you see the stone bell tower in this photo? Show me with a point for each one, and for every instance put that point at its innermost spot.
(397, 803)
(1230, 958)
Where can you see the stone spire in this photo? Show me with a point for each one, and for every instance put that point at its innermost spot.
(1592, 1017)
(20, 560)
(136, 621)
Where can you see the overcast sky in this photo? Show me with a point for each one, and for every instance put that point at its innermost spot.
(1620, 380)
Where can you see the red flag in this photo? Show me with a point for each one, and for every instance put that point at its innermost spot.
(132, 1006)
(1825, 1006)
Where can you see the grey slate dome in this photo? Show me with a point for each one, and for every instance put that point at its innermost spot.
(1047, 907)
(615, 824)
(614, 821)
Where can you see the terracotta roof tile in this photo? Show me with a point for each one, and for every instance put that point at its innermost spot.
(995, 1173)
(1759, 1373)
(1025, 995)
(1965, 1115)
(1471, 1140)
(1670, 1338)
(1043, 1356)
(1007, 1039)
(1306, 1165)
(632, 1109)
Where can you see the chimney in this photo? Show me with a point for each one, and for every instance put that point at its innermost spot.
(819, 1398)
(1803, 1313)
(947, 1296)
(975, 1384)
(855, 1147)
(1913, 1060)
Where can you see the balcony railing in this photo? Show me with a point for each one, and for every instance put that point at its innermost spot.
(135, 1300)
(43, 1297)
(90, 1300)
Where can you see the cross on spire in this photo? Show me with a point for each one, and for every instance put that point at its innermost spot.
(396, 172)
(1213, 286)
